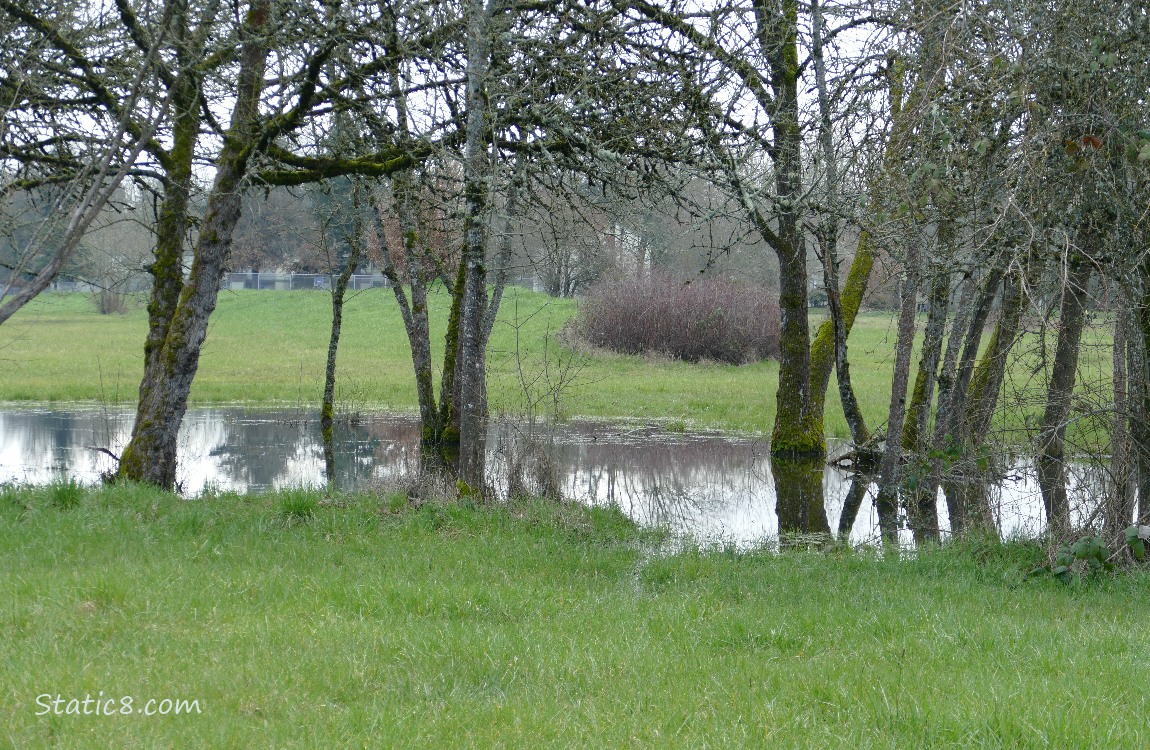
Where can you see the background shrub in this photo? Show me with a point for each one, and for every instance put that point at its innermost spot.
(708, 318)
(110, 302)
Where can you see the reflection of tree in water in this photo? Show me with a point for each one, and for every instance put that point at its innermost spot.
(799, 499)
(1008, 498)
(37, 445)
(707, 485)
(247, 452)
(393, 444)
(661, 480)
(279, 449)
(355, 453)
(851, 505)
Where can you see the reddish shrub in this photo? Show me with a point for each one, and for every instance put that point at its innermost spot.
(707, 318)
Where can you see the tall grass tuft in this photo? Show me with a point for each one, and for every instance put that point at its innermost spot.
(708, 318)
(298, 506)
(66, 494)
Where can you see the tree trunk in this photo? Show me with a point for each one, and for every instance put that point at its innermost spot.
(354, 241)
(922, 394)
(448, 391)
(990, 373)
(828, 241)
(798, 429)
(1059, 398)
(471, 378)
(150, 455)
(921, 505)
(416, 318)
(825, 349)
(971, 497)
(949, 418)
(950, 379)
(946, 372)
(1120, 501)
(892, 452)
(1138, 375)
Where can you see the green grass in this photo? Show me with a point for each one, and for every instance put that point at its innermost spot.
(366, 624)
(270, 347)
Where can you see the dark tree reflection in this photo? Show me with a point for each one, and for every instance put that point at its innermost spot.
(799, 496)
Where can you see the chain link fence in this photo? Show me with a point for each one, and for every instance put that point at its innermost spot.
(299, 281)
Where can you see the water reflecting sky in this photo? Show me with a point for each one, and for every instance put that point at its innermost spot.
(711, 486)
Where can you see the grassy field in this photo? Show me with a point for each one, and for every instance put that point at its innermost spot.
(297, 623)
(270, 347)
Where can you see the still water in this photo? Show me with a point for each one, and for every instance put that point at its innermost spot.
(713, 487)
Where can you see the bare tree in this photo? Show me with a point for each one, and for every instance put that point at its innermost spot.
(74, 157)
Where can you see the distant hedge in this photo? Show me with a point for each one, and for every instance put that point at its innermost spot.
(707, 318)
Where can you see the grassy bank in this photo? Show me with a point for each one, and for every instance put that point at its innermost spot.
(371, 625)
(269, 347)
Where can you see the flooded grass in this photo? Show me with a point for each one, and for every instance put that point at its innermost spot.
(369, 623)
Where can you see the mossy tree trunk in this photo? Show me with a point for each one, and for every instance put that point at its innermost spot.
(971, 500)
(921, 504)
(951, 411)
(798, 428)
(150, 455)
(449, 393)
(990, 372)
(947, 369)
(926, 376)
(953, 379)
(172, 224)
